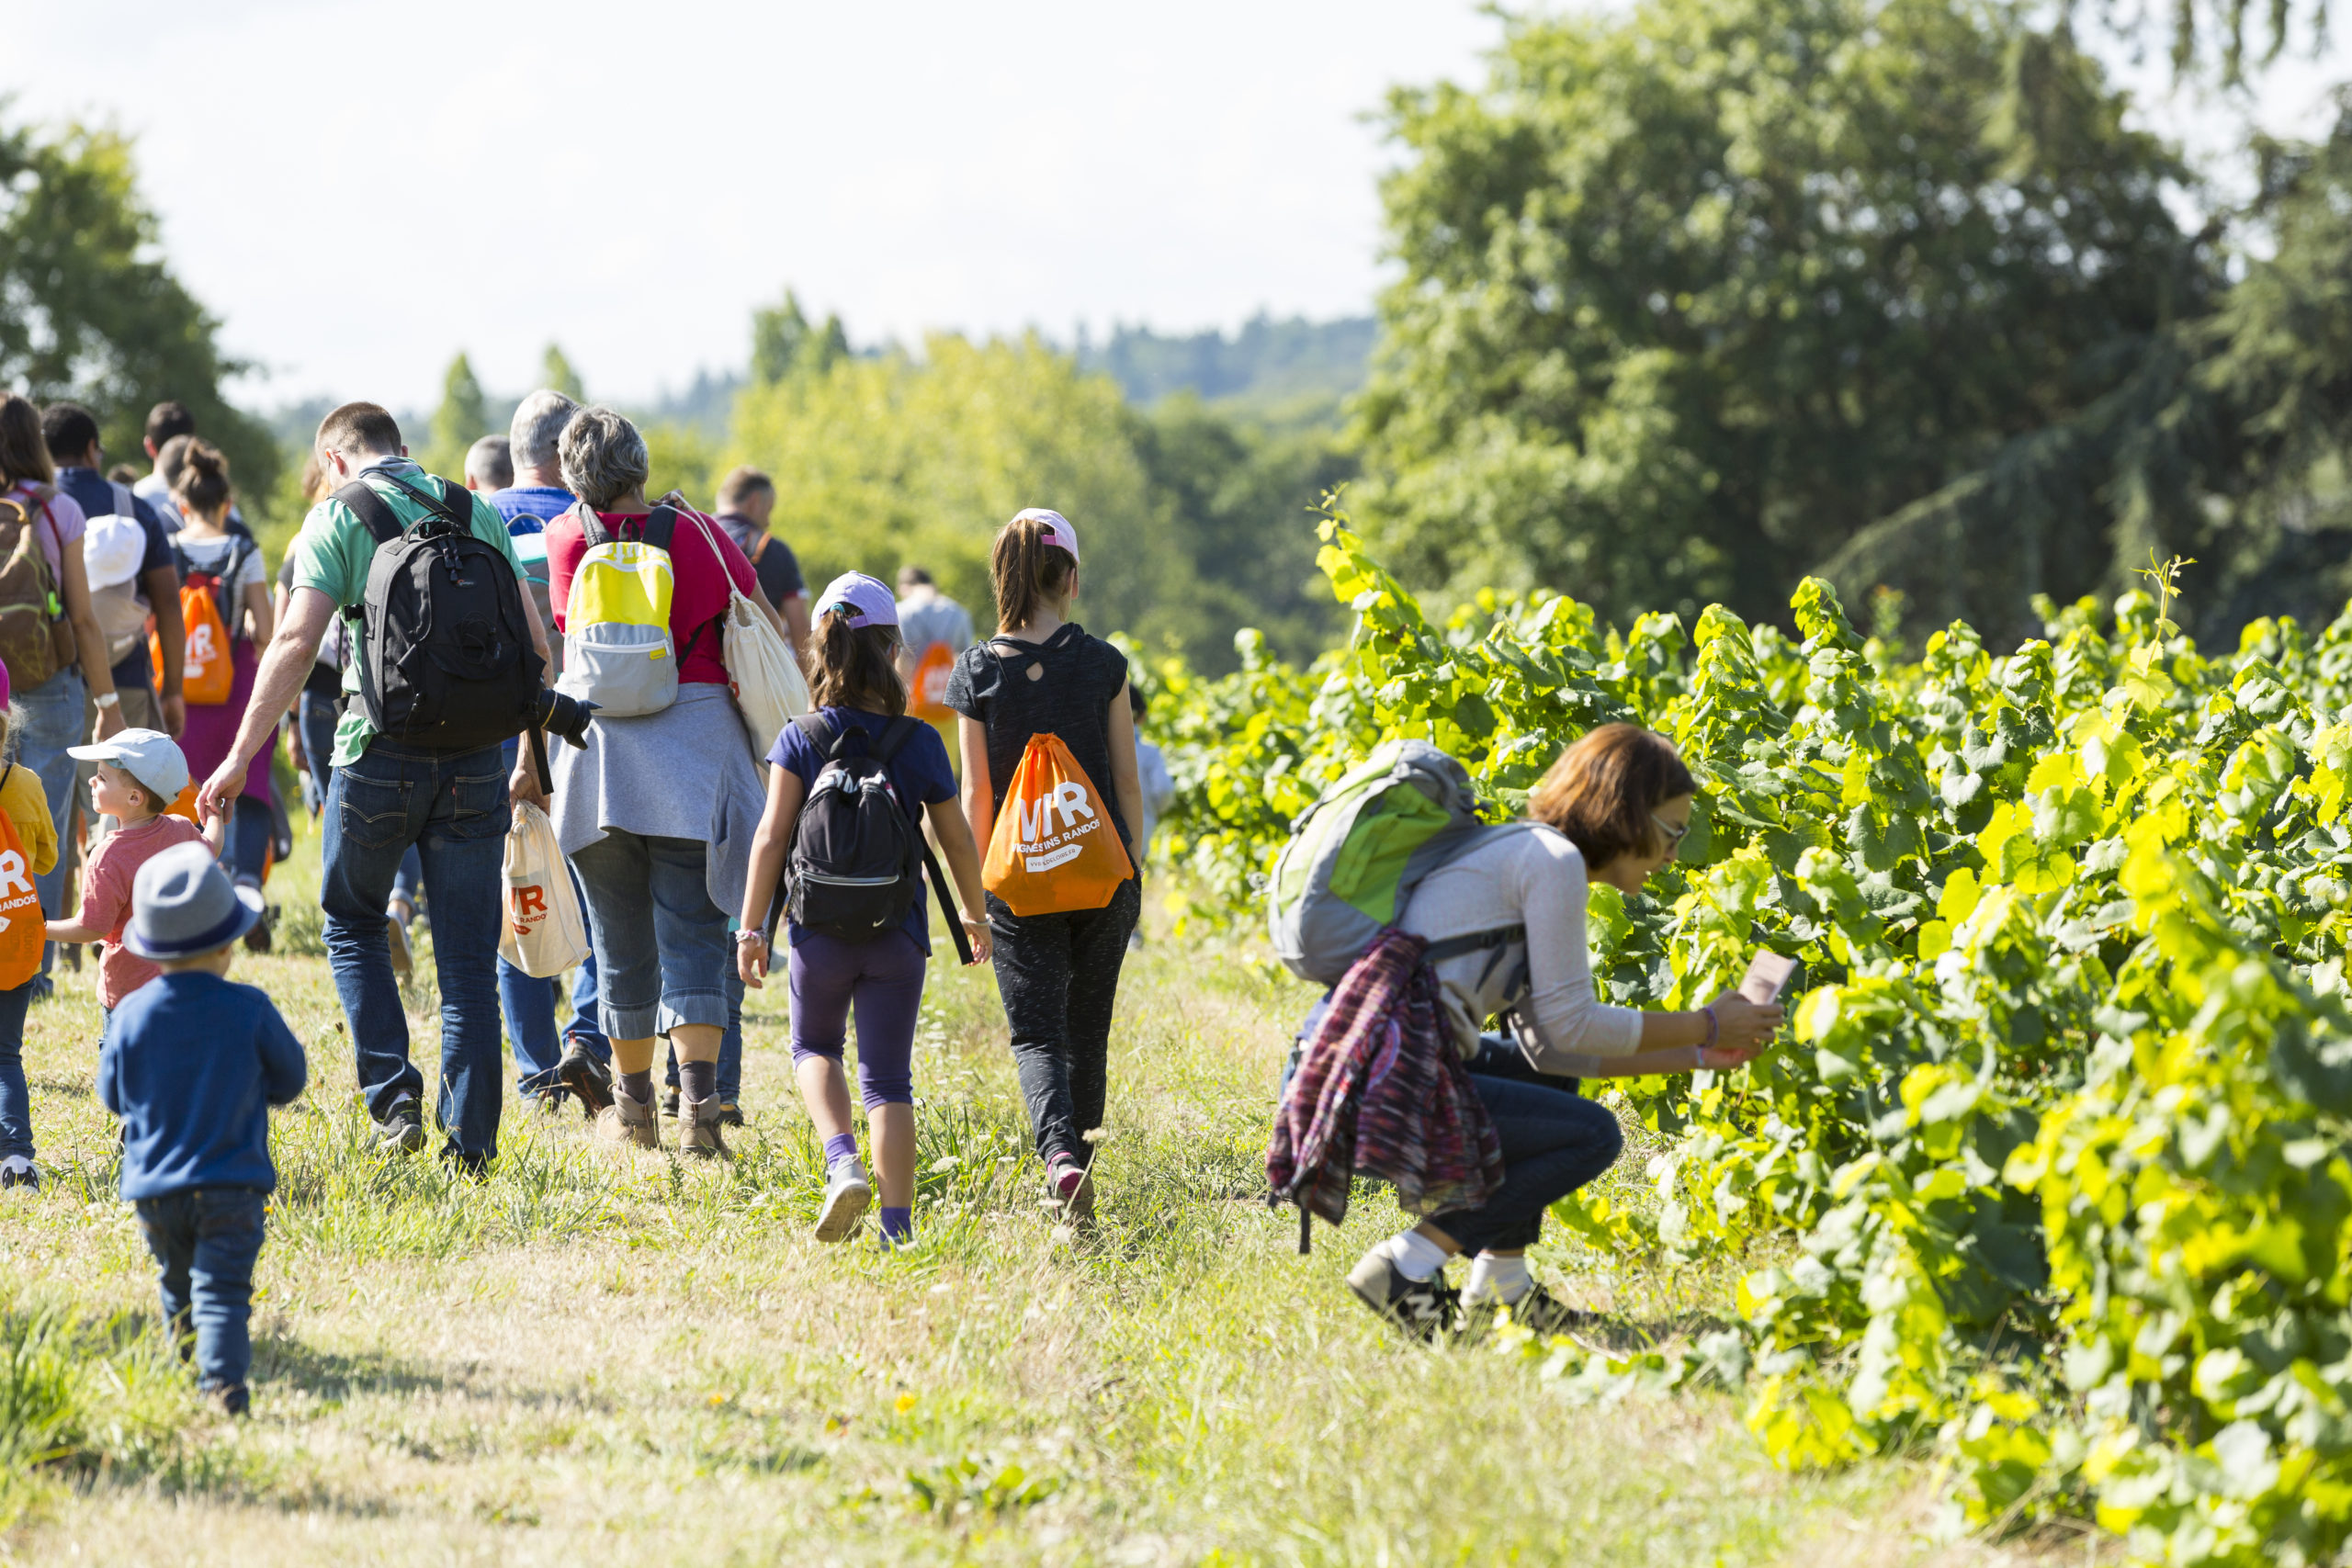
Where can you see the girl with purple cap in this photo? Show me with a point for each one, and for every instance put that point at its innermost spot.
(1059, 974)
(854, 682)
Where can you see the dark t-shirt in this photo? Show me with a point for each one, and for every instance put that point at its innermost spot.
(97, 497)
(773, 561)
(919, 774)
(1082, 676)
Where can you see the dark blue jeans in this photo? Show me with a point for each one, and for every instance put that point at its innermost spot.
(528, 1002)
(1554, 1142)
(452, 810)
(317, 714)
(16, 1099)
(204, 1240)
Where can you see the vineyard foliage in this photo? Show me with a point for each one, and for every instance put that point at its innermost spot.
(2050, 1170)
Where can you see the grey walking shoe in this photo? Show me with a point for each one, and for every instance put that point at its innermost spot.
(846, 1196)
(628, 1122)
(698, 1124)
(403, 1130)
(1422, 1308)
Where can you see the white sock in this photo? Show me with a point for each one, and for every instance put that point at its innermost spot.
(1505, 1279)
(1416, 1255)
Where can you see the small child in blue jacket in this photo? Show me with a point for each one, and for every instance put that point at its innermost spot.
(192, 1065)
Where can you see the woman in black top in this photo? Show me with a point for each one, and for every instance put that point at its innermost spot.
(1059, 975)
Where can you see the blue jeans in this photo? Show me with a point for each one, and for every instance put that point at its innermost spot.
(662, 952)
(244, 849)
(1554, 1142)
(16, 1099)
(730, 1047)
(317, 716)
(52, 714)
(204, 1240)
(528, 1002)
(452, 810)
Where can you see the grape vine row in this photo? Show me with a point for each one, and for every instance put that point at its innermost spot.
(2053, 1165)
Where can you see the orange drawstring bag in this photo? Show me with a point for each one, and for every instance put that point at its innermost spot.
(24, 930)
(1054, 848)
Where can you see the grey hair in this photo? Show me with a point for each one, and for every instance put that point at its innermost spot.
(488, 465)
(602, 456)
(538, 423)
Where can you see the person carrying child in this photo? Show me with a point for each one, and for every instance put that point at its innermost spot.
(858, 745)
(141, 773)
(31, 838)
(1042, 687)
(191, 1063)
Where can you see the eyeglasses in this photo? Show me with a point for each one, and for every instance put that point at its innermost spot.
(1673, 833)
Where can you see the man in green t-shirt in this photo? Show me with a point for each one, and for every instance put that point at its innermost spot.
(386, 798)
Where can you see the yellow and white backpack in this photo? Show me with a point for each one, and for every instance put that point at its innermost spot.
(617, 651)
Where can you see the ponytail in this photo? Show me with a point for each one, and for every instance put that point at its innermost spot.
(201, 485)
(855, 667)
(1025, 570)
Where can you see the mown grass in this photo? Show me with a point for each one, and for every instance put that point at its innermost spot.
(590, 1353)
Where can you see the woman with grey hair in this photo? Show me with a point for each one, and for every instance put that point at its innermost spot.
(657, 811)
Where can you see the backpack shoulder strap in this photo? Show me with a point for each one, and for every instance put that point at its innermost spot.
(820, 731)
(661, 523)
(760, 550)
(458, 502)
(125, 503)
(375, 513)
(895, 734)
(591, 527)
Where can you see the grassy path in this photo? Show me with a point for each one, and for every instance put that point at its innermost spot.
(596, 1353)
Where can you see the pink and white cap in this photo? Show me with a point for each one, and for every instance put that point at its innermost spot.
(864, 599)
(1053, 528)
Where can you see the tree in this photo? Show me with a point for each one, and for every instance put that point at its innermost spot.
(1694, 294)
(89, 310)
(784, 343)
(889, 461)
(556, 373)
(462, 419)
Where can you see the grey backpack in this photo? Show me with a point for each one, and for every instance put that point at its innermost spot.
(1354, 859)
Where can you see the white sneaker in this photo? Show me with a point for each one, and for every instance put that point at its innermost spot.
(846, 1196)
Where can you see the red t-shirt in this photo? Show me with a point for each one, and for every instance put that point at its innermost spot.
(106, 898)
(699, 579)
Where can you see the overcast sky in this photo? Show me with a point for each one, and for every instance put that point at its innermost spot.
(360, 189)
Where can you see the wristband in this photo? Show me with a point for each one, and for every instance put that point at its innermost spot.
(747, 933)
(1698, 1058)
(1715, 1026)
(112, 699)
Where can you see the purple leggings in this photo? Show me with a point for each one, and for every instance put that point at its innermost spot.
(884, 979)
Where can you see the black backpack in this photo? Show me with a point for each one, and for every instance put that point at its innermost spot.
(449, 664)
(856, 861)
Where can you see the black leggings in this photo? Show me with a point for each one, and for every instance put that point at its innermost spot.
(1058, 976)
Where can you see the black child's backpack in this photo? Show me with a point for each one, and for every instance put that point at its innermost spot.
(856, 861)
(449, 664)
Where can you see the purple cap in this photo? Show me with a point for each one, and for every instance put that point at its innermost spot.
(864, 599)
(1053, 528)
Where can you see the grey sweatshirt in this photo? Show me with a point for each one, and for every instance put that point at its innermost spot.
(1535, 878)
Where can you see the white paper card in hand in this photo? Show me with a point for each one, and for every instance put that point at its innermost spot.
(1765, 975)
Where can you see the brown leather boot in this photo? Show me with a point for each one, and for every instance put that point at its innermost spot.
(698, 1124)
(629, 1122)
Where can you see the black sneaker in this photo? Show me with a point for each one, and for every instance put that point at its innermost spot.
(729, 1114)
(1539, 1310)
(258, 934)
(234, 1400)
(590, 1081)
(670, 1105)
(1422, 1308)
(18, 1171)
(403, 1130)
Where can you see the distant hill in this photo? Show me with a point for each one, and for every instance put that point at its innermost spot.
(1267, 365)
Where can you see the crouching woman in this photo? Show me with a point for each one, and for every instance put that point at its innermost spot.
(1612, 809)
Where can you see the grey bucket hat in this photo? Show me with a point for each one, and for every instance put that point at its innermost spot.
(182, 904)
